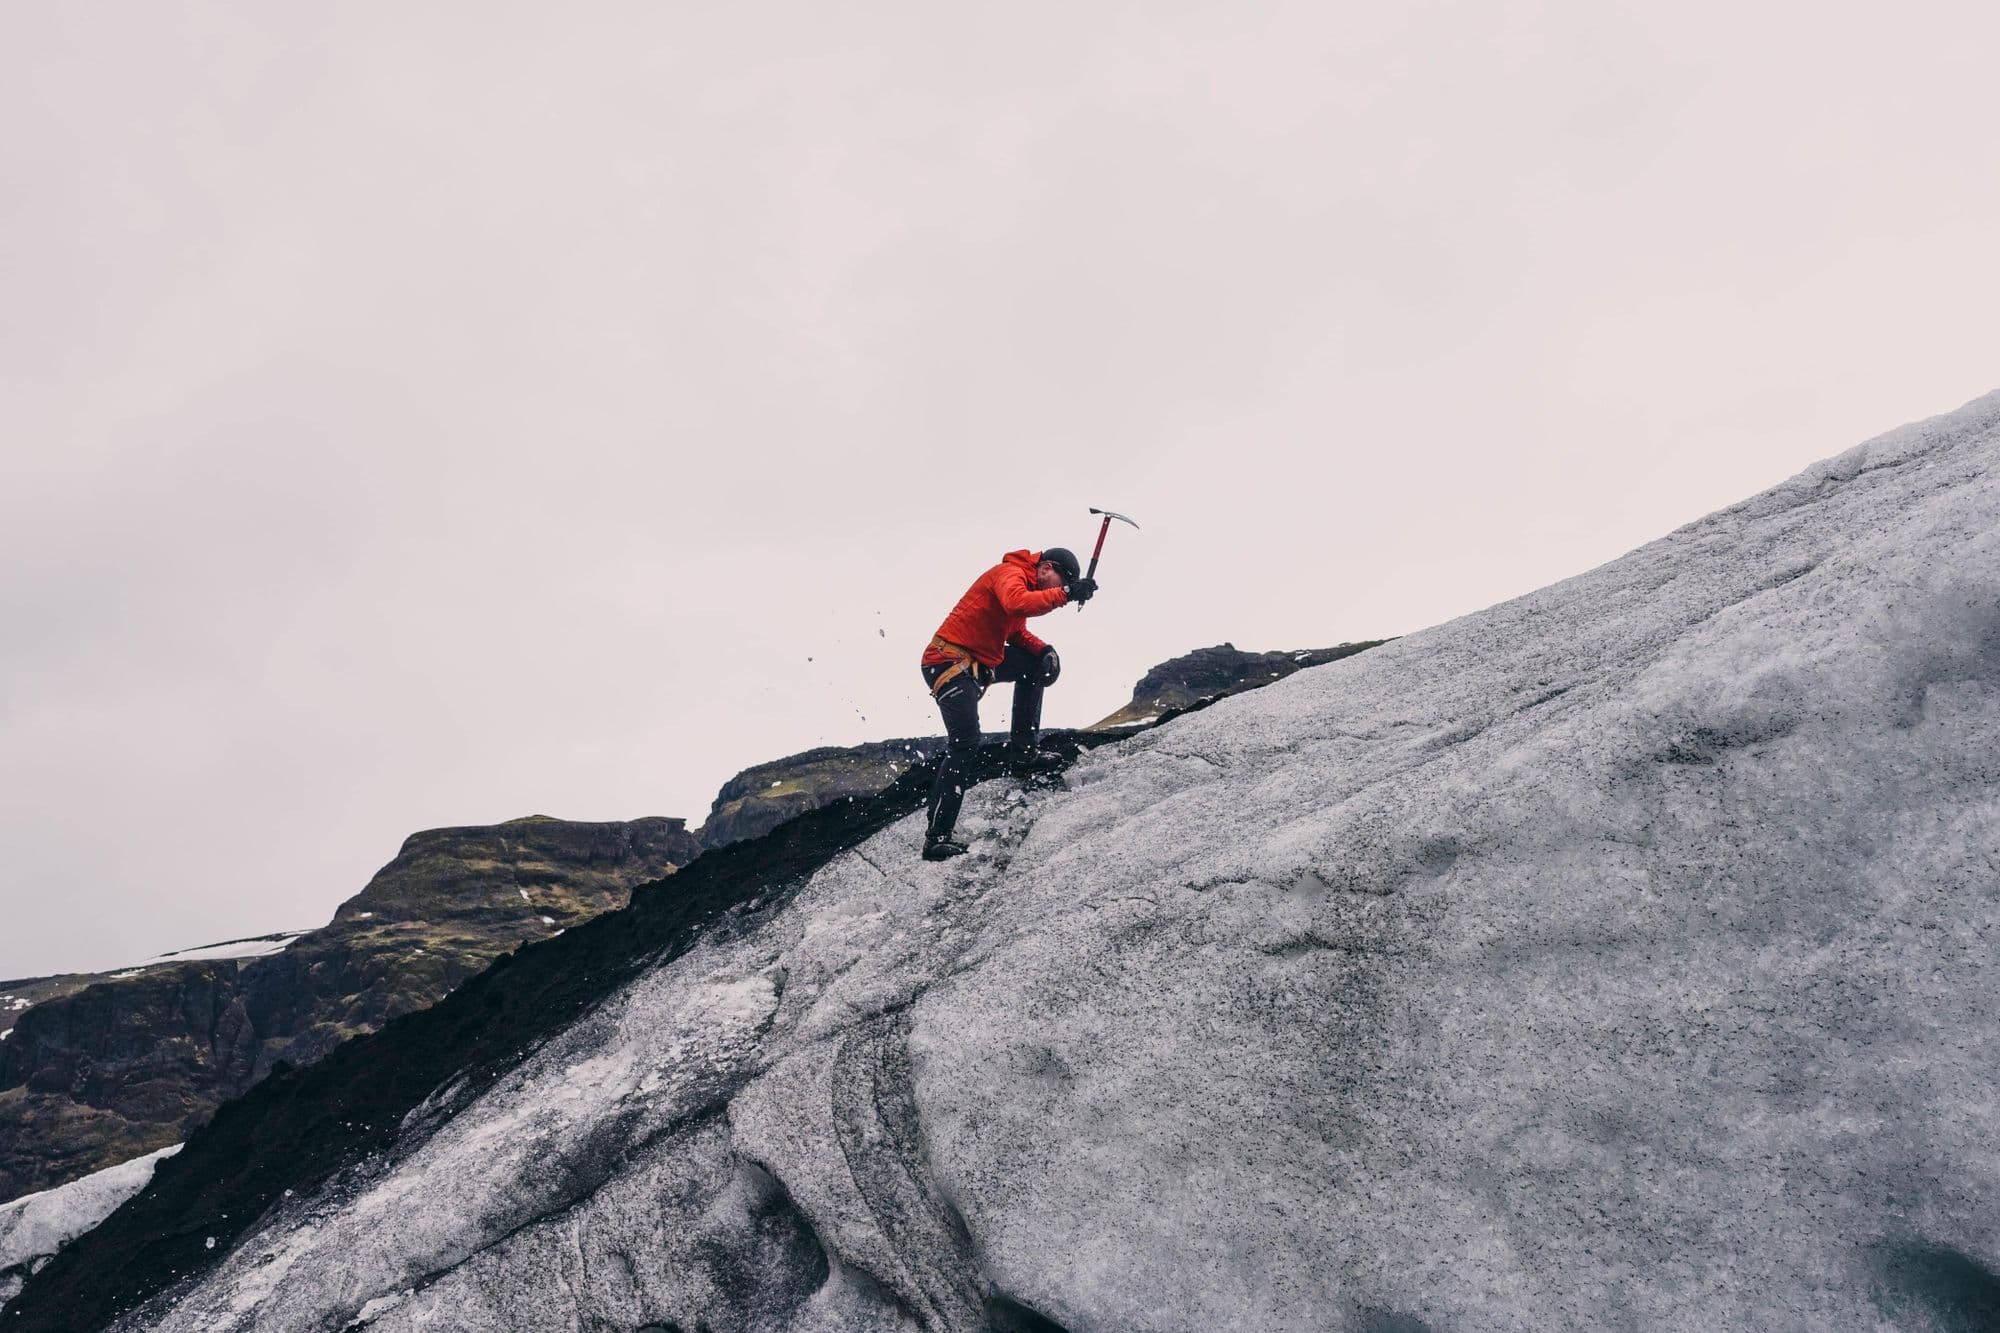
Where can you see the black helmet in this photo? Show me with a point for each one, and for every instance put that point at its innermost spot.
(1064, 559)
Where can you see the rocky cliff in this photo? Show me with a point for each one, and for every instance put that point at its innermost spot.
(759, 799)
(100, 1070)
(17, 997)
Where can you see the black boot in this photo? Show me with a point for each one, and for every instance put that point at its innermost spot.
(942, 849)
(1036, 768)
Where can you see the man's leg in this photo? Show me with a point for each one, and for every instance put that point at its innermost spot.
(1025, 670)
(958, 701)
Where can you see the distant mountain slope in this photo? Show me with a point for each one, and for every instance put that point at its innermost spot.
(1617, 957)
(1217, 673)
(102, 1069)
(18, 996)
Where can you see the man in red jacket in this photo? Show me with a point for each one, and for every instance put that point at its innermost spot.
(986, 639)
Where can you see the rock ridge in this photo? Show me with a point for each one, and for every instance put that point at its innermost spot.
(105, 1069)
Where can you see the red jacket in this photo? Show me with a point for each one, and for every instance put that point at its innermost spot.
(994, 611)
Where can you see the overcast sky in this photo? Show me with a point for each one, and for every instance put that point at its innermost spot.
(429, 414)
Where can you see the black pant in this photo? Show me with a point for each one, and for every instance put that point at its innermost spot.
(959, 702)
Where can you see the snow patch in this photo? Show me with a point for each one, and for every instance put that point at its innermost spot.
(262, 946)
(34, 1226)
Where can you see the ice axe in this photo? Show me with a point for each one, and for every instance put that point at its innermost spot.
(1103, 528)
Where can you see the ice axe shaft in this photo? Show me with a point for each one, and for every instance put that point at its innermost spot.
(1102, 531)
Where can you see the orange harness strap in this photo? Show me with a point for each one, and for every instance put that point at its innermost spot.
(962, 662)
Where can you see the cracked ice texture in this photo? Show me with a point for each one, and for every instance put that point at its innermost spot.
(1618, 956)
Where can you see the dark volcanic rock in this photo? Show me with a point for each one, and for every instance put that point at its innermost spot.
(759, 799)
(1211, 673)
(103, 1071)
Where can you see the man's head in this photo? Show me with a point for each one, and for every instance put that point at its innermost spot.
(1058, 566)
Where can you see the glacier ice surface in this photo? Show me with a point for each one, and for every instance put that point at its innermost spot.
(1619, 956)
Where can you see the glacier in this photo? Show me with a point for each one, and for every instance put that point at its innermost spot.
(1620, 956)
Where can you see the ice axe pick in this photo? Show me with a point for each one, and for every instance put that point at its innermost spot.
(1103, 529)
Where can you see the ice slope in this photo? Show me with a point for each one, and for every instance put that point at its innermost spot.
(1621, 956)
(35, 1226)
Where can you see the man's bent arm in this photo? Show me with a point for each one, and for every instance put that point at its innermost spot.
(1019, 597)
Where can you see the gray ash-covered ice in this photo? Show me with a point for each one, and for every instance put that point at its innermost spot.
(1621, 956)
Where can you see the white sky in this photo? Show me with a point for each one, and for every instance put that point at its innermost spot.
(429, 414)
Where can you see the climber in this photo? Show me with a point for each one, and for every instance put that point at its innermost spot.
(986, 639)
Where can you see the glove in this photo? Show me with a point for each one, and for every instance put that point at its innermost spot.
(1082, 590)
(1050, 668)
